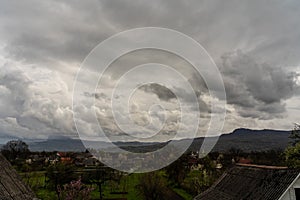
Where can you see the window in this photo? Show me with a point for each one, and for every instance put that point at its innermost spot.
(297, 192)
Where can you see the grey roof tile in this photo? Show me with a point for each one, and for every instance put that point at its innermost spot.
(251, 182)
(11, 185)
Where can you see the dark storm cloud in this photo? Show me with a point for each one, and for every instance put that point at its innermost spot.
(162, 92)
(166, 94)
(256, 89)
(259, 26)
(68, 30)
(52, 31)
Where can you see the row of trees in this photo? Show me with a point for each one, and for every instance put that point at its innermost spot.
(15, 149)
(59, 175)
(292, 153)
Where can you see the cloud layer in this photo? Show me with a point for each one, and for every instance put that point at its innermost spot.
(256, 90)
(254, 43)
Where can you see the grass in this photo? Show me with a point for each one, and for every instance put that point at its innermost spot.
(36, 180)
(45, 194)
(128, 184)
(183, 193)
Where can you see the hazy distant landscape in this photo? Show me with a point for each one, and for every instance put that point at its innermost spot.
(244, 139)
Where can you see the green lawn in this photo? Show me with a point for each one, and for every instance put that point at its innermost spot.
(127, 184)
(183, 193)
(36, 180)
(45, 194)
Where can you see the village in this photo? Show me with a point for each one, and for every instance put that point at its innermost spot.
(189, 176)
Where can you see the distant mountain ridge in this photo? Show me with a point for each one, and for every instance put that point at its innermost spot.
(249, 140)
(243, 139)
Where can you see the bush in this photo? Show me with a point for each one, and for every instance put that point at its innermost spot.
(75, 191)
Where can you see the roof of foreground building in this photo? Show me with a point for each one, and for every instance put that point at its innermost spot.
(251, 182)
(11, 185)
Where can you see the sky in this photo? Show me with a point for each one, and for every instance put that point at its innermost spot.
(254, 43)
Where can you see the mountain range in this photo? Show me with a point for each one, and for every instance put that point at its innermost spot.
(244, 139)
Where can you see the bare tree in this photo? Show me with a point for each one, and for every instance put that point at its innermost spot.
(15, 148)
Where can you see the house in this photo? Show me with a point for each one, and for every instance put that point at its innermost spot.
(64, 158)
(244, 161)
(244, 181)
(11, 186)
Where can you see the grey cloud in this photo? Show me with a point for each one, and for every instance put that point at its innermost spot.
(166, 94)
(15, 97)
(49, 33)
(32, 108)
(256, 89)
(262, 27)
(69, 30)
(162, 92)
(96, 95)
(52, 31)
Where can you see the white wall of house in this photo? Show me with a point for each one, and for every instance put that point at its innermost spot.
(290, 194)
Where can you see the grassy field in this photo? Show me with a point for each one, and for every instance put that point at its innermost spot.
(36, 180)
(127, 184)
(183, 193)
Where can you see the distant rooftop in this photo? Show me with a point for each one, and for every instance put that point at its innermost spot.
(262, 166)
